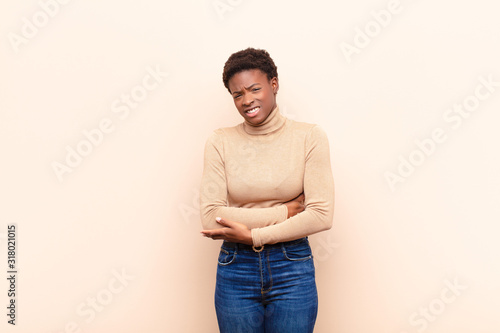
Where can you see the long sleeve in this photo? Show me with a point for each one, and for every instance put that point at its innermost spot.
(213, 194)
(318, 192)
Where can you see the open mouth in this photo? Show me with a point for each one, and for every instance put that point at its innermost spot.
(253, 112)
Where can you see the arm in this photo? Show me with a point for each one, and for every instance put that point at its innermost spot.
(239, 233)
(319, 196)
(213, 194)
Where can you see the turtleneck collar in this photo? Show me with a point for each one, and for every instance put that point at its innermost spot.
(273, 122)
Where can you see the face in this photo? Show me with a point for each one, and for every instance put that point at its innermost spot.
(252, 91)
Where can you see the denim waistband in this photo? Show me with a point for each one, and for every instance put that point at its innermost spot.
(241, 246)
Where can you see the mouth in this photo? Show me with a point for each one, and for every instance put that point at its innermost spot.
(252, 112)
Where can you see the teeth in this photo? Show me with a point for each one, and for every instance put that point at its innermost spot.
(253, 110)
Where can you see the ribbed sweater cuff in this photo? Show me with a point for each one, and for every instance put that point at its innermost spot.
(284, 213)
(256, 237)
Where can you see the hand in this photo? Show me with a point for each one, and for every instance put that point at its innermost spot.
(295, 205)
(232, 232)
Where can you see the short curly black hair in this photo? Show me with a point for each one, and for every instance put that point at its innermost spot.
(249, 58)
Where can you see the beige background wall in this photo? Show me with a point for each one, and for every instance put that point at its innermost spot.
(111, 243)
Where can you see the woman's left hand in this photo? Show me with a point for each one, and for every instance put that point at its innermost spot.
(232, 232)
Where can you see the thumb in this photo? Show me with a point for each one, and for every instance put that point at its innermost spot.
(220, 220)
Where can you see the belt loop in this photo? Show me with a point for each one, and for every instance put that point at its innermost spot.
(259, 250)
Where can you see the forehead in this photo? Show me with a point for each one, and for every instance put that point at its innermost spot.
(246, 78)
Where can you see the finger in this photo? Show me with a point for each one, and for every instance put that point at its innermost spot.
(214, 232)
(218, 237)
(208, 235)
(223, 222)
(213, 237)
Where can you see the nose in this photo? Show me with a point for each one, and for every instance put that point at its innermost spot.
(247, 100)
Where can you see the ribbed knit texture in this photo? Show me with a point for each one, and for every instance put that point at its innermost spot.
(250, 171)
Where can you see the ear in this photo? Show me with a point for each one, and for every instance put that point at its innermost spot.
(275, 84)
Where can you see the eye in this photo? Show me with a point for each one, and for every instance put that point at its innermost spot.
(236, 96)
(255, 89)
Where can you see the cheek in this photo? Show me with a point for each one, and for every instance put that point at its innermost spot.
(260, 96)
(237, 104)
(268, 94)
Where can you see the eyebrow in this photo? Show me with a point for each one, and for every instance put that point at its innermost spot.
(234, 92)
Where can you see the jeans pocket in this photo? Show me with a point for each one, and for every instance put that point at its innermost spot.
(299, 251)
(226, 256)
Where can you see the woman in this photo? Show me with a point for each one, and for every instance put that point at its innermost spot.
(267, 184)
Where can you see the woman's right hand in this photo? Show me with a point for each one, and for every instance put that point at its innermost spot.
(295, 205)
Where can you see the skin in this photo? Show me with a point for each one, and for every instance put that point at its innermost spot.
(249, 89)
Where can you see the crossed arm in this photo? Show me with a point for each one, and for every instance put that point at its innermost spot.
(237, 232)
(256, 226)
(235, 223)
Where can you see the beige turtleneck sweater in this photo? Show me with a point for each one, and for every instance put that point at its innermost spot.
(250, 171)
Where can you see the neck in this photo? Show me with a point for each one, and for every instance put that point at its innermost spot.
(274, 121)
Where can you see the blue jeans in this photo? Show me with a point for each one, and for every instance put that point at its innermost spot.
(270, 291)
